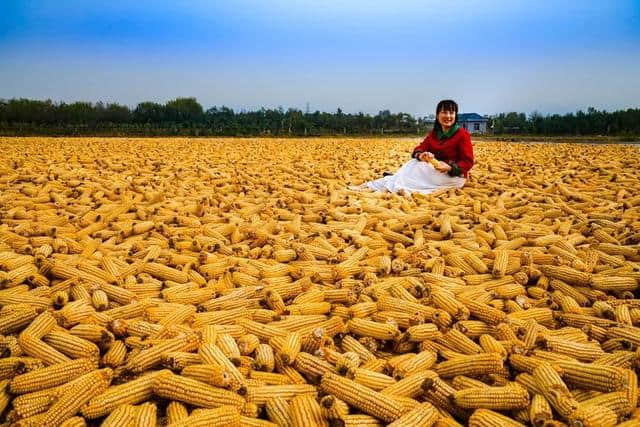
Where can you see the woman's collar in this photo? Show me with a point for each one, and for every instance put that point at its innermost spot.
(448, 134)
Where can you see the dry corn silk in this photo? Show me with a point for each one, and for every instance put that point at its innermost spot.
(190, 282)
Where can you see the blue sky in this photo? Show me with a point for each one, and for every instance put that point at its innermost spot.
(491, 56)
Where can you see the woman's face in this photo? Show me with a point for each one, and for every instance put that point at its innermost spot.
(446, 118)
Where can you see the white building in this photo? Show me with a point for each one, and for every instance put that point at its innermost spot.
(473, 122)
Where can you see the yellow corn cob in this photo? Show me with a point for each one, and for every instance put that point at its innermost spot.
(132, 392)
(498, 398)
(446, 300)
(593, 377)
(153, 356)
(265, 358)
(459, 342)
(247, 344)
(488, 418)
(211, 374)
(616, 401)
(277, 410)
(270, 378)
(290, 348)
(632, 387)
(255, 422)
(554, 389)
(613, 283)
(60, 298)
(631, 334)
(567, 275)
(586, 352)
(211, 354)
(41, 326)
(419, 333)
(70, 402)
(222, 416)
(73, 313)
(228, 346)
(163, 272)
(480, 364)
(373, 380)
(222, 317)
(361, 397)
(483, 312)
(367, 328)
(410, 386)
(187, 390)
(424, 415)
(306, 411)
(500, 263)
(50, 376)
(312, 366)
(146, 415)
(592, 416)
(100, 300)
(177, 360)
(74, 422)
(4, 395)
(491, 345)
(71, 345)
(260, 395)
(361, 421)
(622, 315)
(176, 411)
(94, 333)
(38, 349)
(264, 332)
(334, 410)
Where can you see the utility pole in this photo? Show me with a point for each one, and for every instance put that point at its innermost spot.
(307, 110)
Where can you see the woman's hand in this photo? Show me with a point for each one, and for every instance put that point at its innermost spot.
(426, 156)
(443, 167)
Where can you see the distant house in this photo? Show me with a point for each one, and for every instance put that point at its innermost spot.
(473, 122)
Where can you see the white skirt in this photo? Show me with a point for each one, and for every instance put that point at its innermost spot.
(416, 177)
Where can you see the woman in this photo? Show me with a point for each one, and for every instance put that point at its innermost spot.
(441, 161)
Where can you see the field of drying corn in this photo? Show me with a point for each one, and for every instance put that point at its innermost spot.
(237, 282)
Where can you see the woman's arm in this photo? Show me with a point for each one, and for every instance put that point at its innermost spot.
(421, 148)
(464, 162)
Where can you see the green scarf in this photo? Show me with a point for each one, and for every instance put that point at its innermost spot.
(448, 134)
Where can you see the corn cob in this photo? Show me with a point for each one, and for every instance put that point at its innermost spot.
(480, 364)
(72, 346)
(187, 390)
(593, 377)
(51, 376)
(224, 415)
(306, 411)
(554, 389)
(498, 398)
(591, 416)
(425, 415)
(70, 402)
(367, 328)
(176, 411)
(488, 418)
(616, 401)
(361, 397)
(132, 392)
(211, 374)
(261, 394)
(277, 410)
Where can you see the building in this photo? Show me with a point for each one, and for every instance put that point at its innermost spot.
(473, 122)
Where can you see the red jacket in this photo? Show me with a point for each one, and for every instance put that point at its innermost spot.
(457, 151)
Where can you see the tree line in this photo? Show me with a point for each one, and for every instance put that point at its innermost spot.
(185, 116)
(591, 122)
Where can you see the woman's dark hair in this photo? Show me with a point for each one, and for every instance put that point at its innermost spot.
(445, 105)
